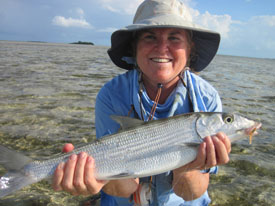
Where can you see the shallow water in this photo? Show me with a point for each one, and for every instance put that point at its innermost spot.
(47, 97)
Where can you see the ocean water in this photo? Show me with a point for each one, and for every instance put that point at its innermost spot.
(47, 98)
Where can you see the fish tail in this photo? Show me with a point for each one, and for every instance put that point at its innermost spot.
(16, 178)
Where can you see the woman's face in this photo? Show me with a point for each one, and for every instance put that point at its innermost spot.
(162, 53)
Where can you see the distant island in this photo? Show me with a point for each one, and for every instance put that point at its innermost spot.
(37, 41)
(83, 42)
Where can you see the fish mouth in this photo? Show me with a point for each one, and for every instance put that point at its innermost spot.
(253, 131)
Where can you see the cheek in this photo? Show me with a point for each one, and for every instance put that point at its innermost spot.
(181, 58)
(142, 59)
(140, 54)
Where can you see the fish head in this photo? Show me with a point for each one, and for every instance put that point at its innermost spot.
(233, 125)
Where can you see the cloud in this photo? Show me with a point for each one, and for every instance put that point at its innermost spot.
(121, 6)
(218, 23)
(80, 12)
(254, 37)
(126, 6)
(72, 22)
(266, 20)
(260, 31)
(107, 30)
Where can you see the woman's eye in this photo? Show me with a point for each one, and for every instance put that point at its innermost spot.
(175, 39)
(149, 37)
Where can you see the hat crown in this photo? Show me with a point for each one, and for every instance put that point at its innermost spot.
(152, 8)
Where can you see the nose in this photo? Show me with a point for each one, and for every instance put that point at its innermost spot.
(162, 45)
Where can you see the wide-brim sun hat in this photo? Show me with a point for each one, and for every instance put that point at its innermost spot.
(163, 14)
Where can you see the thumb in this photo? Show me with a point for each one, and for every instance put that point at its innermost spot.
(68, 147)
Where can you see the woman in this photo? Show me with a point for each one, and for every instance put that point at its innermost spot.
(158, 49)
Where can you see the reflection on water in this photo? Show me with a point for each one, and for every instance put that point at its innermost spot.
(47, 98)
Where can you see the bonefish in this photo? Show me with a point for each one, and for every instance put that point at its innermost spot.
(139, 149)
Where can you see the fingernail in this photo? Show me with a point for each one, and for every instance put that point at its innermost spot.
(215, 138)
(73, 157)
(91, 162)
(90, 159)
(222, 135)
(61, 166)
(207, 138)
(82, 155)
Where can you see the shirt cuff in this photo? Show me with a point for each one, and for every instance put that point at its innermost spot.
(212, 170)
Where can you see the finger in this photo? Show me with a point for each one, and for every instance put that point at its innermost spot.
(78, 181)
(201, 157)
(226, 141)
(93, 185)
(221, 151)
(199, 163)
(210, 153)
(68, 148)
(58, 176)
(67, 182)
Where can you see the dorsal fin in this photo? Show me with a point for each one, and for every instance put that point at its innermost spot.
(127, 122)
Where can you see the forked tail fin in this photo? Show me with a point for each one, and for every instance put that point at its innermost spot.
(15, 178)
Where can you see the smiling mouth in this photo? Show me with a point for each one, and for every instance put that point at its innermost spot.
(161, 60)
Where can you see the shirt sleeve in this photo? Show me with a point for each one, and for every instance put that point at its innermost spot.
(214, 104)
(209, 96)
(112, 99)
(103, 110)
(203, 95)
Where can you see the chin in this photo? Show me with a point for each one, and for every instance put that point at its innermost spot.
(165, 80)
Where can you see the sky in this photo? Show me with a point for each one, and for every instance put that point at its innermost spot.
(247, 27)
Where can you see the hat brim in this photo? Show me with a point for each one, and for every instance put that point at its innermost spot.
(206, 44)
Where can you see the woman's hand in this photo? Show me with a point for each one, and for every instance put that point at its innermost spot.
(76, 176)
(212, 152)
(189, 183)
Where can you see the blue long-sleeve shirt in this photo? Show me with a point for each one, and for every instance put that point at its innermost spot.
(117, 97)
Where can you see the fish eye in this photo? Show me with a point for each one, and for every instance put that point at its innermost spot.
(228, 119)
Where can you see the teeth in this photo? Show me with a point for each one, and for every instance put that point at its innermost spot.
(161, 60)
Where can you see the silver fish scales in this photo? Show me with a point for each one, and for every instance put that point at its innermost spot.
(140, 149)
